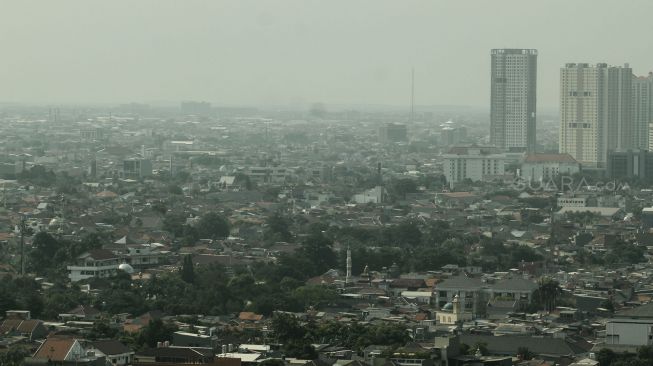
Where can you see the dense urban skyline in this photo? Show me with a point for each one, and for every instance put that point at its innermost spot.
(301, 52)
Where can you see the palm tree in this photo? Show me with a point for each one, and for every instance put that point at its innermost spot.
(549, 290)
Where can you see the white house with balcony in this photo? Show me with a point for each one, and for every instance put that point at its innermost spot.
(142, 256)
(100, 263)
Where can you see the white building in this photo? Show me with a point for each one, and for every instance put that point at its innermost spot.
(572, 201)
(472, 163)
(513, 98)
(142, 256)
(633, 332)
(642, 113)
(374, 195)
(115, 352)
(595, 111)
(543, 167)
(100, 263)
(453, 313)
(269, 174)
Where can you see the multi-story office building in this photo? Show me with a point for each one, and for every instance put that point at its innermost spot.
(642, 111)
(542, 167)
(595, 111)
(513, 99)
(473, 163)
(136, 168)
(452, 135)
(393, 132)
(630, 164)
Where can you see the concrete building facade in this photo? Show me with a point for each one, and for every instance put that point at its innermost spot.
(472, 163)
(542, 167)
(642, 111)
(595, 111)
(513, 99)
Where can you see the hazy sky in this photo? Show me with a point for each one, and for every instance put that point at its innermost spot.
(302, 51)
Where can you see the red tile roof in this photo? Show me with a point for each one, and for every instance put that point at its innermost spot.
(247, 315)
(55, 348)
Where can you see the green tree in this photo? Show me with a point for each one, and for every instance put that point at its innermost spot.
(102, 330)
(317, 250)
(14, 356)
(44, 249)
(175, 189)
(300, 348)
(156, 331)
(406, 233)
(314, 296)
(213, 225)
(188, 269)
(287, 328)
(524, 353)
(174, 223)
(401, 187)
(278, 227)
(549, 291)
(606, 357)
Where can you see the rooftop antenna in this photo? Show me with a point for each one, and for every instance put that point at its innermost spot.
(412, 94)
(348, 278)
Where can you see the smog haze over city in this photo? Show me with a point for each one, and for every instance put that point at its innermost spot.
(300, 52)
(326, 183)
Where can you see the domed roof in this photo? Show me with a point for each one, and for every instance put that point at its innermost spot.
(448, 306)
(126, 268)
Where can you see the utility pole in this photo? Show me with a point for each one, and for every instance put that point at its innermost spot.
(22, 245)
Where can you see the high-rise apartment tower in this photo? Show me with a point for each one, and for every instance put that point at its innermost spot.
(595, 111)
(513, 99)
(642, 113)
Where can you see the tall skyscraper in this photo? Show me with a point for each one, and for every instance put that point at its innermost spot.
(513, 99)
(642, 110)
(595, 111)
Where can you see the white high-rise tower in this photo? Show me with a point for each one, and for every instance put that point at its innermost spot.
(595, 111)
(513, 99)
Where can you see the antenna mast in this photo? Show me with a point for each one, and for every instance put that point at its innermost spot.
(412, 94)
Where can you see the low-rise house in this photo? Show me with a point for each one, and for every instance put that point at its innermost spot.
(115, 352)
(167, 355)
(514, 329)
(59, 350)
(32, 329)
(400, 285)
(188, 339)
(81, 312)
(508, 345)
(143, 256)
